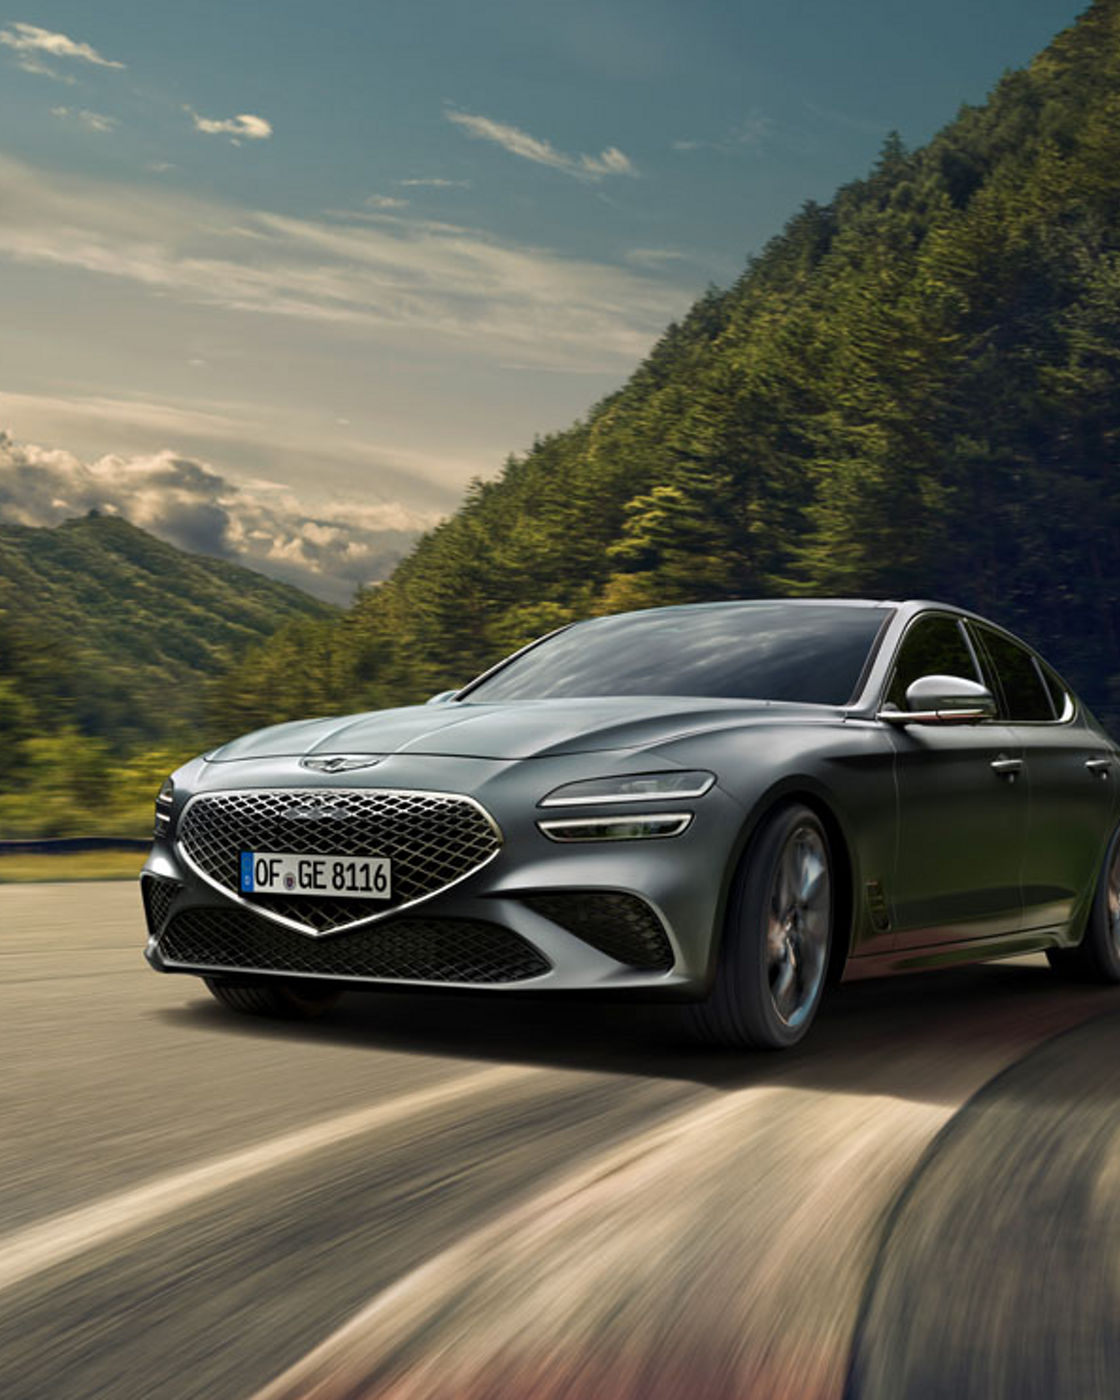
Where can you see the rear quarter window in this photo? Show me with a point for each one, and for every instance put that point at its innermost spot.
(1060, 697)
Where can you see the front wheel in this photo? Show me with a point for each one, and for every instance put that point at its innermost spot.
(281, 1000)
(1097, 957)
(776, 944)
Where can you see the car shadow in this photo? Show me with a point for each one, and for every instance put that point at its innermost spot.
(910, 1036)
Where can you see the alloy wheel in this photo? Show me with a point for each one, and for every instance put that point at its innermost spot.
(799, 916)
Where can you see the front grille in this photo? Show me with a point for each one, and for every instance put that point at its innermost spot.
(620, 925)
(433, 840)
(158, 895)
(410, 950)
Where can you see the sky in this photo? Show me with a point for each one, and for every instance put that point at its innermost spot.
(279, 279)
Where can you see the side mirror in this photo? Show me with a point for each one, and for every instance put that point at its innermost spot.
(943, 700)
(442, 698)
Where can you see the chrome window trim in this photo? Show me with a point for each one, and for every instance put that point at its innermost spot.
(380, 916)
(1069, 712)
(923, 616)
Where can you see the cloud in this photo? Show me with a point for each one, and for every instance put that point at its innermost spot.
(656, 257)
(244, 126)
(92, 121)
(43, 70)
(755, 131)
(187, 502)
(429, 480)
(832, 117)
(385, 201)
(436, 183)
(30, 40)
(611, 161)
(431, 282)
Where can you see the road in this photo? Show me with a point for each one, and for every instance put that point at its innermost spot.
(467, 1197)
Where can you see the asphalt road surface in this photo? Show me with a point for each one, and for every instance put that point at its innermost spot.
(451, 1198)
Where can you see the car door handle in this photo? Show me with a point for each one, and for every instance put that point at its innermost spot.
(1099, 765)
(1007, 765)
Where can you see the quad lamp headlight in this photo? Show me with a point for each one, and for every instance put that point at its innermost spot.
(631, 787)
(636, 828)
(164, 801)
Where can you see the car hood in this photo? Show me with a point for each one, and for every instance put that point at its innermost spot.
(521, 729)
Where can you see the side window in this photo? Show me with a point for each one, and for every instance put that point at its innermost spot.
(934, 646)
(1025, 694)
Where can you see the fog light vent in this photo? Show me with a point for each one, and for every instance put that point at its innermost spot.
(621, 925)
(158, 895)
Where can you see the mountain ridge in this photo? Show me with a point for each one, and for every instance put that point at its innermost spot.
(107, 629)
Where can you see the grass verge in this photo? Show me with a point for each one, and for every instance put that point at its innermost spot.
(80, 865)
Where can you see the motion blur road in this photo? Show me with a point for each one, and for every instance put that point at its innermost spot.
(436, 1196)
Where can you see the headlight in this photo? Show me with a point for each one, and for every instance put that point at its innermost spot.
(636, 828)
(164, 799)
(631, 787)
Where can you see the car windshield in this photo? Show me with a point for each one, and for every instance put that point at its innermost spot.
(812, 653)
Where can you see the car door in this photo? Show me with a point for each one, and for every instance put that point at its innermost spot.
(962, 809)
(1070, 777)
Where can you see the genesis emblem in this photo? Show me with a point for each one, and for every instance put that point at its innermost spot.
(315, 809)
(340, 762)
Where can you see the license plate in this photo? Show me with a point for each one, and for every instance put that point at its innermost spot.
(345, 877)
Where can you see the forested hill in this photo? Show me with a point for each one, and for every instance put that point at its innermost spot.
(914, 390)
(111, 632)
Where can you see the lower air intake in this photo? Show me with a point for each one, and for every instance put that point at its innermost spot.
(620, 925)
(158, 895)
(399, 950)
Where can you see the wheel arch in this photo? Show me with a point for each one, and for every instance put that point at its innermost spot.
(812, 794)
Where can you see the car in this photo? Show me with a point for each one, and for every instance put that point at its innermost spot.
(734, 804)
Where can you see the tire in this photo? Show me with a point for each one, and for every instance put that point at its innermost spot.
(776, 944)
(1097, 957)
(281, 1000)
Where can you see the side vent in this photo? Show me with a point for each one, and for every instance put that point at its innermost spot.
(877, 907)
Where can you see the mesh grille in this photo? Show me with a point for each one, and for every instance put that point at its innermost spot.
(620, 925)
(433, 839)
(413, 950)
(158, 895)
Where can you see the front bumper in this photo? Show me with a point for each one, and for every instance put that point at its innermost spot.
(603, 916)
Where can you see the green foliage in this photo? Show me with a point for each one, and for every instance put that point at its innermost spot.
(107, 636)
(69, 784)
(912, 391)
(109, 631)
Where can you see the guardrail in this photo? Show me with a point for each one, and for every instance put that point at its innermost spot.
(64, 845)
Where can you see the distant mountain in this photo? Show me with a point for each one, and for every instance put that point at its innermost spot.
(107, 629)
(913, 390)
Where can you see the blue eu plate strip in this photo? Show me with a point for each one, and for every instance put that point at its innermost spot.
(246, 872)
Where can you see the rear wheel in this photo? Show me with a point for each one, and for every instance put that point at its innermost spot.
(776, 945)
(287, 1001)
(1097, 957)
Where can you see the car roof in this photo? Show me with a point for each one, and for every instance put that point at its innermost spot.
(761, 603)
(908, 606)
